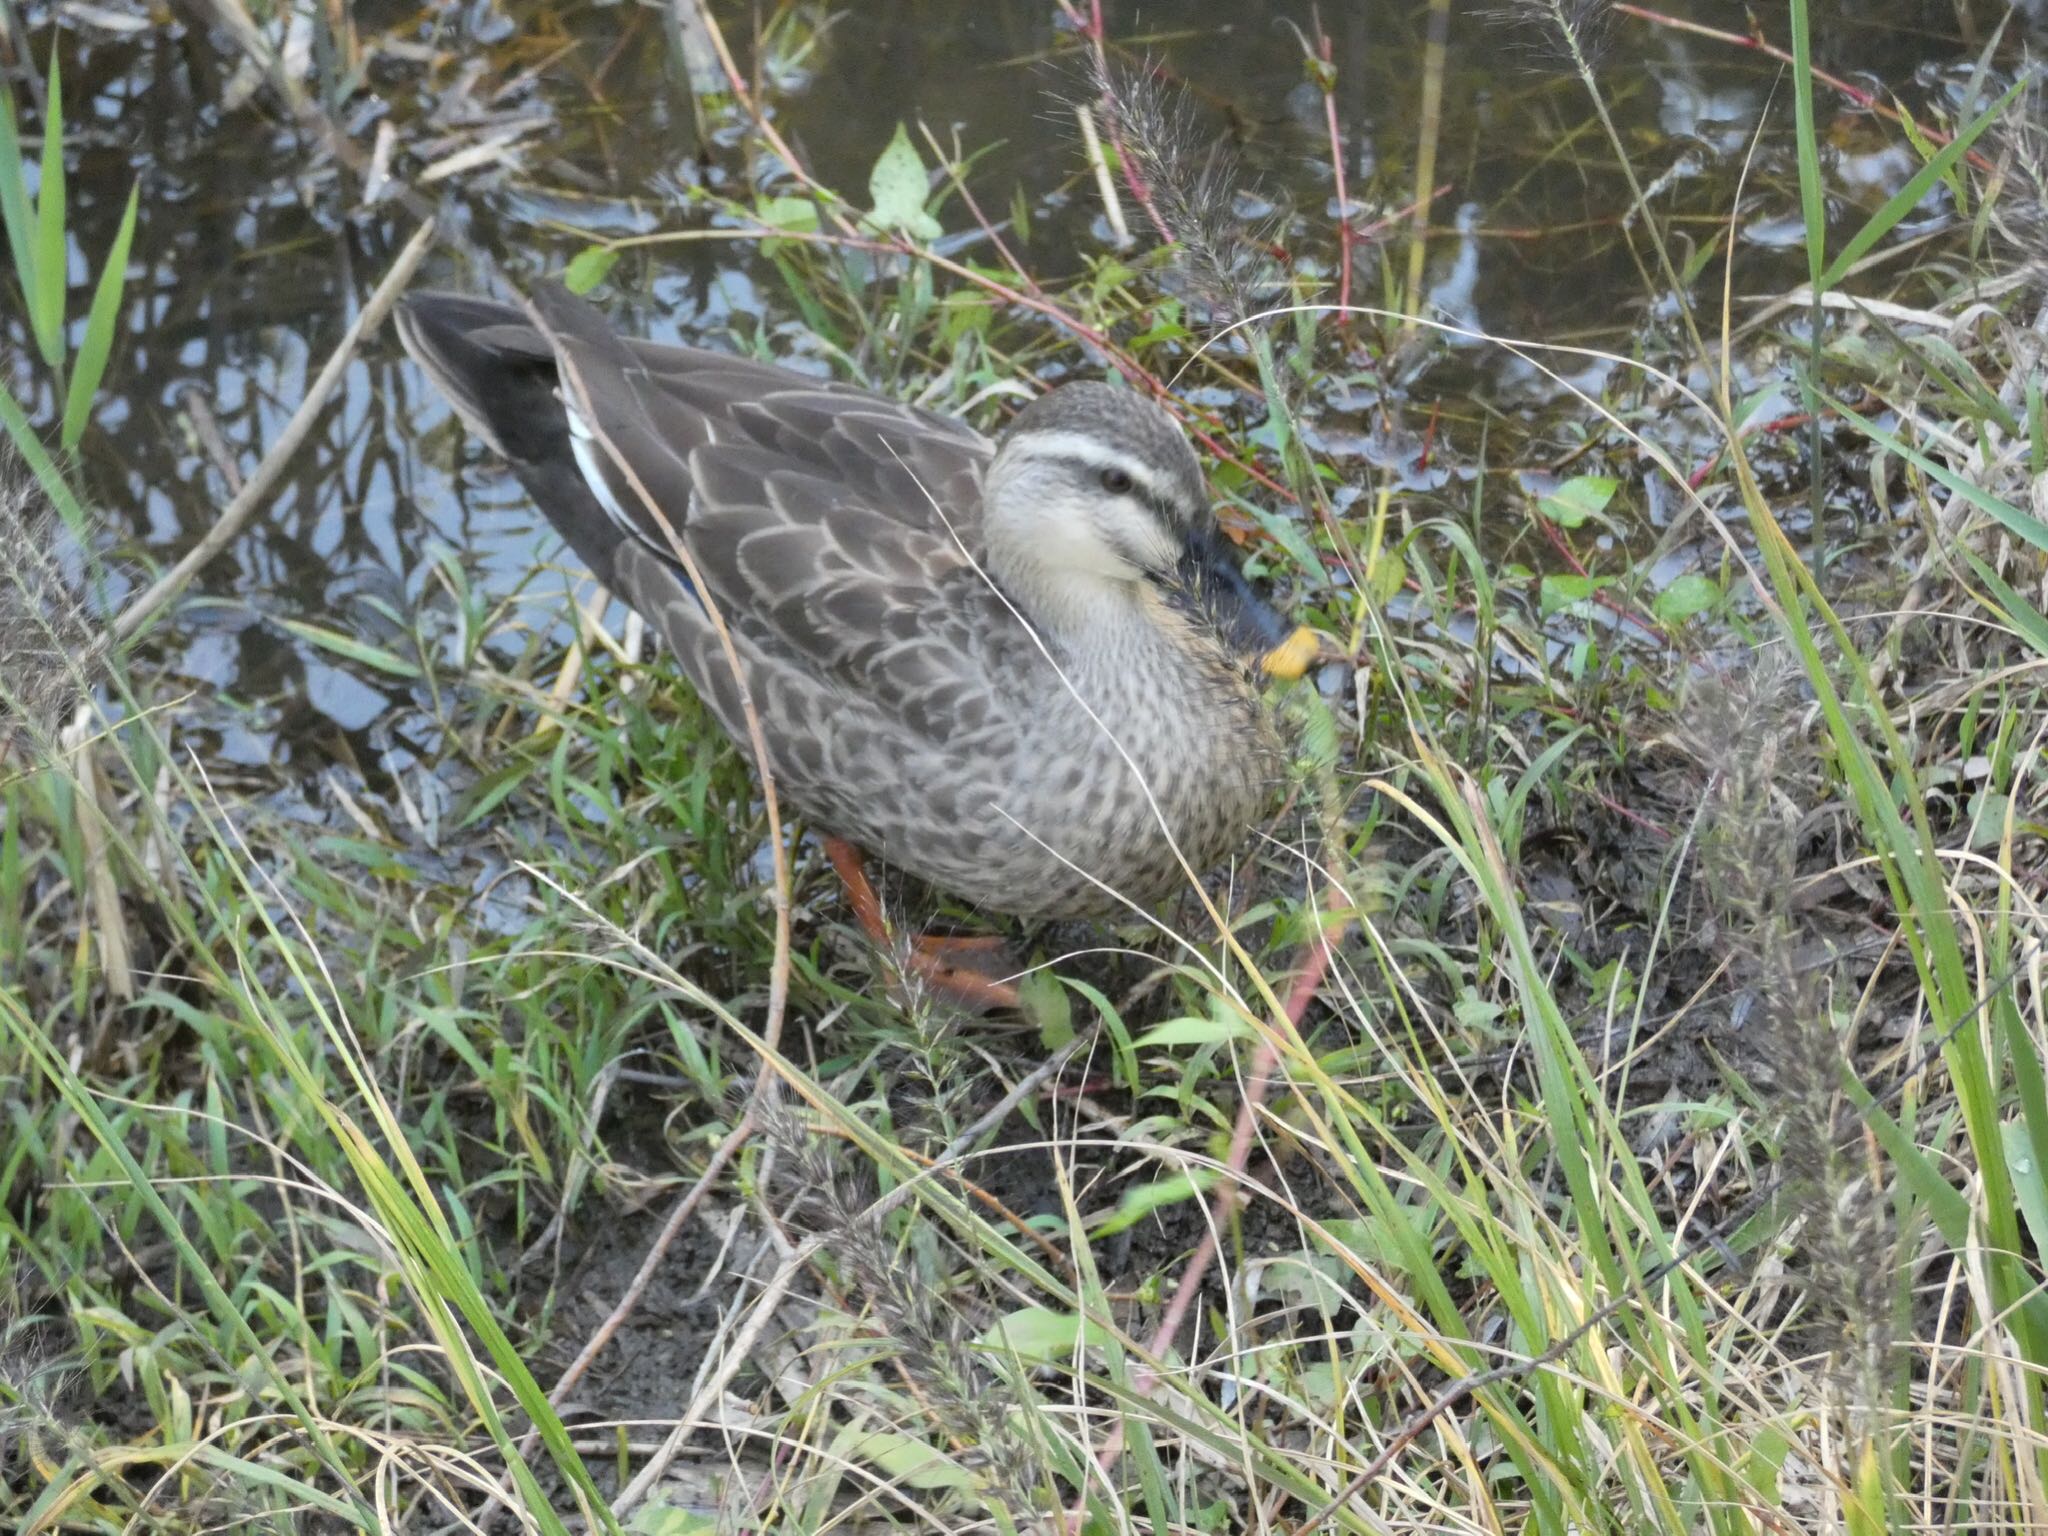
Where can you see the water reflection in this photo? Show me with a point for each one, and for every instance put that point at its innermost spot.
(580, 122)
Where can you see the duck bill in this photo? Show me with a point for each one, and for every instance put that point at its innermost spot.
(1246, 621)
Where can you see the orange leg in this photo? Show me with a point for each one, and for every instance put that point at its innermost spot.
(969, 984)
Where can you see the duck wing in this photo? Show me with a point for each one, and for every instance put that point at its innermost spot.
(838, 533)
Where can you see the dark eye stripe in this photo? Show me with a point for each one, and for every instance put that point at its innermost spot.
(1158, 504)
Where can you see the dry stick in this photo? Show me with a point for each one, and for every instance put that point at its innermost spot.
(699, 13)
(1326, 51)
(1264, 1059)
(208, 431)
(253, 495)
(737, 1354)
(741, 1349)
(308, 114)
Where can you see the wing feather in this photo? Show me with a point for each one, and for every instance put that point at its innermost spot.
(838, 533)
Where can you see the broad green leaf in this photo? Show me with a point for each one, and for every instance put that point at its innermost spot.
(1287, 533)
(1562, 591)
(1579, 498)
(897, 187)
(796, 214)
(589, 267)
(100, 325)
(1142, 1200)
(1687, 595)
(46, 305)
(1041, 1335)
(1373, 1242)
(659, 1519)
(1046, 1004)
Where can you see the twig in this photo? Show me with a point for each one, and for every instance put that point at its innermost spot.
(253, 495)
(737, 1354)
(1105, 184)
(307, 113)
(1345, 235)
(207, 430)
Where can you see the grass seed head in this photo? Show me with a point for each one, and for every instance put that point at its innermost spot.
(51, 653)
(1745, 731)
(928, 1333)
(1192, 182)
(1550, 35)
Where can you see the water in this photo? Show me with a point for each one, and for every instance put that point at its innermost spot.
(254, 250)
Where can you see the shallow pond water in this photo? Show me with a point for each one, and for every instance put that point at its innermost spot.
(581, 122)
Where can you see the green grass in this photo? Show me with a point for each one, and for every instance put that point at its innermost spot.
(1663, 1150)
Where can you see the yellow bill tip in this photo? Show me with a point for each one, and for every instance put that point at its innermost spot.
(1293, 656)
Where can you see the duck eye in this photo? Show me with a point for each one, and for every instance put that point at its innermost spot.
(1116, 481)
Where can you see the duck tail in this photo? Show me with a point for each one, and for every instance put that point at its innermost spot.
(499, 374)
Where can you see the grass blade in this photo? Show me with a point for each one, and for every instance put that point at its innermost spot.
(46, 303)
(15, 210)
(2014, 519)
(98, 344)
(1813, 205)
(1908, 197)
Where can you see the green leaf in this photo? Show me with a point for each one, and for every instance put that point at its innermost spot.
(897, 187)
(1287, 533)
(1907, 198)
(489, 792)
(1578, 499)
(1687, 595)
(1374, 1242)
(1041, 1335)
(2021, 614)
(799, 215)
(100, 322)
(909, 1461)
(355, 650)
(2022, 523)
(1142, 1200)
(1045, 1003)
(1562, 591)
(46, 305)
(43, 467)
(589, 267)
(1194, 1031)
(1812, 192)
(662, 1519)
(15, 210)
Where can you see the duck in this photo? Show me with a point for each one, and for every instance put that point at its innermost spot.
(1026, 670)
